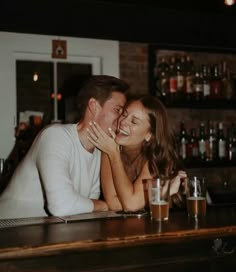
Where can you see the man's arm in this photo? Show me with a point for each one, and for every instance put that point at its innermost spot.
(53, 163)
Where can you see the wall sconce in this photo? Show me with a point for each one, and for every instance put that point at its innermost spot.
(229, 2)
(35, 76)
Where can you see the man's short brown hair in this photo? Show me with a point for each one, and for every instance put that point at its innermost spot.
(101, 88)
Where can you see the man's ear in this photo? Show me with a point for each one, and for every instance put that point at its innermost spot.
(92, 106)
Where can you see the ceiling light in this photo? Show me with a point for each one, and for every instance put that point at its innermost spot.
(229, 2)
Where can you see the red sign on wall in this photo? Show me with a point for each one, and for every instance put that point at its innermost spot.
(59, 49)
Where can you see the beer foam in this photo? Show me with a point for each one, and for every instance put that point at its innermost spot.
(196, 198)
(161, 202)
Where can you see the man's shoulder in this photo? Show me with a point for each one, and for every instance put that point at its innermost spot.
(57, 130)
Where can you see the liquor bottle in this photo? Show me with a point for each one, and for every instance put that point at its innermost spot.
(216, 83)
(198, 85)
(212, 144)
(227, 89)
(189, 78)
(173, 79)
(206, 81)
(231, 143)
(183, 141)
(192, 146)
(180, 77)
(162, 82)
(202, 142)
(221, 142)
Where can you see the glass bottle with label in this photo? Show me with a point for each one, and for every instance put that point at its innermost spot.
(162, 81)
(202, 142)
(183, 141)
(189, 78)
(233, 127)
(216, 83)
(180, 77)
(192, 147)
(173, 79)
(227, 89)
(221, 142)
(231, 145)
(212, 144)
(198, 85)
(206, 81)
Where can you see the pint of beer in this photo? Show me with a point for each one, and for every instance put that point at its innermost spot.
(158, 194)
(196, 197)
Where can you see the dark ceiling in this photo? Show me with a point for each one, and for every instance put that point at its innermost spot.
(202, 23)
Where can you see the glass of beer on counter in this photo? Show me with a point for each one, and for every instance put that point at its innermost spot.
(158, 194)
(196, 197)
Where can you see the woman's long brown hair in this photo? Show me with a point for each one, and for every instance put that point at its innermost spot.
(160, 152)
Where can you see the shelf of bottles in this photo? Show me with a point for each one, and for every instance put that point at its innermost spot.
(212, 144)
(180, 80)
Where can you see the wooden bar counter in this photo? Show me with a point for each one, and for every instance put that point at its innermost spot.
(124, 244)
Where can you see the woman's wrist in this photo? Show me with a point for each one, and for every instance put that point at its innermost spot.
(114, 155)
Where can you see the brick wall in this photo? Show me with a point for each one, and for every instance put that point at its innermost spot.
(134, 66)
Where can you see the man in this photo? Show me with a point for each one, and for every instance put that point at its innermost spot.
(60, 174)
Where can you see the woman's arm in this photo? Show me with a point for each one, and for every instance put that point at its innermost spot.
(175, 183)
(131, 195)
(108, 189)
(177, 189)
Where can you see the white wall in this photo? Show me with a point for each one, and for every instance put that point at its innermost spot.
(15, 46)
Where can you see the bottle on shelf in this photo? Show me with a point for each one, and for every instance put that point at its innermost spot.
(162, 82)
(206, 81)
(211, 154)
(173, 79)
(216, 83)
(192, 146)
(233, 127)
(198, 85)
(227, 86)
(180, 77)
(202, 142)
(221, 142)
(231, 142)
(189, 77)
(183, 141)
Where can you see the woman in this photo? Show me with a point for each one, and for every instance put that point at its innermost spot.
(143, 147)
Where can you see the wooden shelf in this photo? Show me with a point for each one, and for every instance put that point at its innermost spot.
(216, 104)
(209, 164)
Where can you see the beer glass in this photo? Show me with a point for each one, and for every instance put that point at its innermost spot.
(158, 194)
(196, 197)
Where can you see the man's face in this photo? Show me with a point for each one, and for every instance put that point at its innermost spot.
(111, 111)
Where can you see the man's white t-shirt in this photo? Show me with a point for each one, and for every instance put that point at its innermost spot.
(58, 175)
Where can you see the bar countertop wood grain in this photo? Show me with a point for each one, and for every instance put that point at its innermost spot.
(115, 232)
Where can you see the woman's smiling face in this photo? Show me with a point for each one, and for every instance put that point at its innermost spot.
(134, 126)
